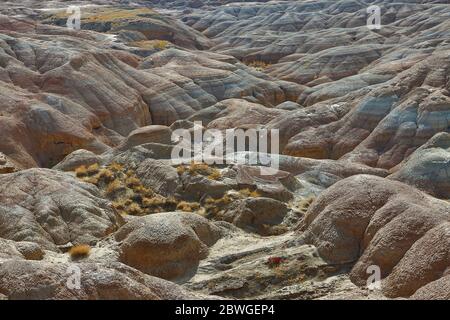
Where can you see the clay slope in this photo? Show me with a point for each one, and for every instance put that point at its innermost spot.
(370, 97)
(370, 221)
(88, 95)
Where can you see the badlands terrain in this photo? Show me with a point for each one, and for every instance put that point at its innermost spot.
(93, 207)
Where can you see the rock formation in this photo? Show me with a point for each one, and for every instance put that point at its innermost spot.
(356, 179)
(369, 221)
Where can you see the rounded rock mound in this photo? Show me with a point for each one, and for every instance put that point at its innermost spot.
(166, 245)
(53, 209)
(367, 220)
(38, 280)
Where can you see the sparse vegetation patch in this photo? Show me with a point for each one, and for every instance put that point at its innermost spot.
(80, 251)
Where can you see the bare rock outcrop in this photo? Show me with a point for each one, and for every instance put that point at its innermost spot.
(436, 290)
(240, 113)
(5, 165)
(89, 95)
(36, 280)
(135, 24)
(9, 250)
(167, 245)
(77, 159)
(53, 209)
(398, 118)
(149, 134)
(256, 214)
(426, 261)
(428, 168)
(362, 179)
(369, 220)
(159, 176)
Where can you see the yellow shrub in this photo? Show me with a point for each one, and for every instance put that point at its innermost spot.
(127, 193)
(171, 201)
(161, 44)
(215, 207)
(116, 14)
(181, 170)
(154, 201)
(199, 168)
(113, 187)
(106, 175)
(121, 204)
(93, 169)
(81, 171)
(135, 210)
(91, 180)
(132, 182)
(249, 193)
(215, 174)
(188, 206)
(79, 251)
(145, 192)
(304, 204)
(225, 200)
(258, 65)
(116, 167)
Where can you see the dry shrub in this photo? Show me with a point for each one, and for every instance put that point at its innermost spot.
(115, 14)
(120, 204)
(214, 208)
(81, 171)
(93, 169)
(135, 210)
(145, 192)
(200, 168)
(258, 65)
(129, 196)
(105, 175)
(154, 201)
(161, 44)
(215, 175)
(188, 206)
(92, 180)
(116, 167)
(113, 188)
(247, 193)
(220, 202)
(151, 44)
(79, 251)
(181, 170)
(304, 204)
(133, 182)
(158, 203)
